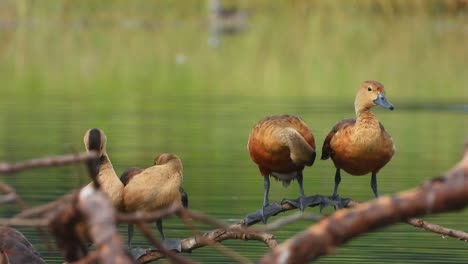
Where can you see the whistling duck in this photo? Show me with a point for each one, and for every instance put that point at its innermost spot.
(360, 146)
(154, 188)
(281, 145)
(95, 139)
(15, 248)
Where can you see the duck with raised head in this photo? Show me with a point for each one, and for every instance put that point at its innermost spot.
(361, 146)
(154, 188)
(281, 146)
(96, 140)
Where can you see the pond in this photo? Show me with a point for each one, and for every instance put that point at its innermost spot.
(210, 134)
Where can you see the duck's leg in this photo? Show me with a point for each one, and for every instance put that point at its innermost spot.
(337, 182)
(373, 184)
(335, 199)
(302, 203)
(266, 190)
(135, 252)
(159, 226)
(130, 235)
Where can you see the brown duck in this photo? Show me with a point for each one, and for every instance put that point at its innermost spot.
(96, 140)
(154, 188)
(361, 146)
(281, 146)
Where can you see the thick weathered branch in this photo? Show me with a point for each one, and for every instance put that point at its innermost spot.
(7, 168)
(99, 213)
(439, 195)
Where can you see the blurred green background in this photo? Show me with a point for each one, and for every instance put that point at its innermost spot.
(145, 73)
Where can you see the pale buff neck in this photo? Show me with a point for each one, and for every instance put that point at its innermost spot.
(367, 127)
(364, 116)
(105, 166)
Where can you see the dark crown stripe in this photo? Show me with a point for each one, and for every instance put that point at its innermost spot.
(94, 140)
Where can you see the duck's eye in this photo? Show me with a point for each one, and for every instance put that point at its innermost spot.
(369, 88)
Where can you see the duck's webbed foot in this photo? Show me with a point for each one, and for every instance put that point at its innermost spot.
(335, 201)
(137, 252)
(170, 244)
(263, 213)
(305, 201)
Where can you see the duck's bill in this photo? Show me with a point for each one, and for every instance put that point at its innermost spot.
(383, 102)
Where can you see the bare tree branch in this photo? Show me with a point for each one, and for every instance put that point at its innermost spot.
(11, 196)
(441, 194)
(23, 222)
(46, 208)
(235, 231)
(224, 232)
(7, 168)
(165, 252)
(99, 213)
(420, 223)
(434, 228)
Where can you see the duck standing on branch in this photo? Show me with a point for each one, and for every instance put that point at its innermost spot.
(281, 146)
(360, 146)
(154, 188)
(96, 140)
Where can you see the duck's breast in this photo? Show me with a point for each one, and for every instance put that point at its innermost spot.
(359, 152)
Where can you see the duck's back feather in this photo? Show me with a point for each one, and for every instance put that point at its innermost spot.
(129, 174)
(268, 150)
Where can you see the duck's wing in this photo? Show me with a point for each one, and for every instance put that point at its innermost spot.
(129, 174)
(327, 151)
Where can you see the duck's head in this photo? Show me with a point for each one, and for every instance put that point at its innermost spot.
(164, 158)
(371, 93)
(95, 139)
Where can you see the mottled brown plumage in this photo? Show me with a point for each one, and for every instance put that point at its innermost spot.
(360, 146)
(154, 188)
(95, 139)
(281, 146)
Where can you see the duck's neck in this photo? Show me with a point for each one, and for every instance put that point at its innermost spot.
(367, 126)
(105, 167)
